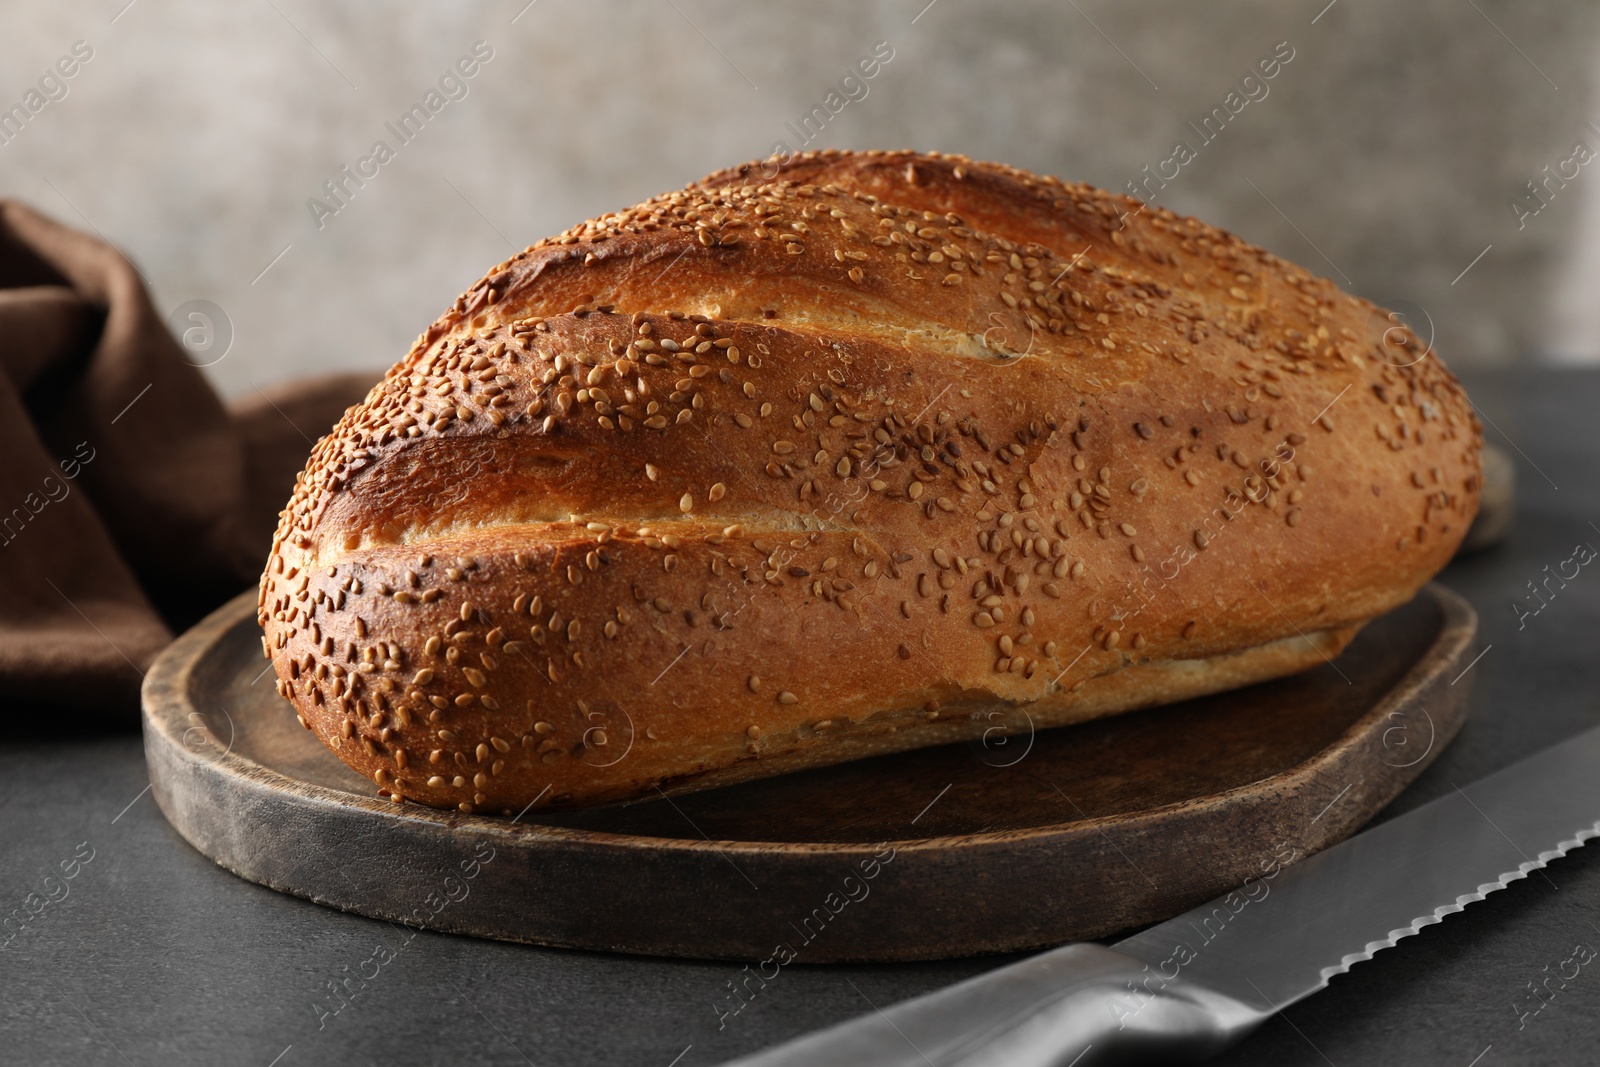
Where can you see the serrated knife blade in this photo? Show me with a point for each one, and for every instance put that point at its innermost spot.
(1193, 984)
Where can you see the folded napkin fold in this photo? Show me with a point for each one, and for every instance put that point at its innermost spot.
(132, 499)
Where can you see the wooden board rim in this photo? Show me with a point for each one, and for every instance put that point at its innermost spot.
(168, 709)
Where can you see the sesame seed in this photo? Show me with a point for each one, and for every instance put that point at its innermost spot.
(786, 697)
(686, 503)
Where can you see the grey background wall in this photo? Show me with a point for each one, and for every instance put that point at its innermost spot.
(1385, 154)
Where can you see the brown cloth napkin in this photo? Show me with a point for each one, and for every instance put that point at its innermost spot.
(132, 500)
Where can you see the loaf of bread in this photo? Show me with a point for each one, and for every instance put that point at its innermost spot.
(866, 452)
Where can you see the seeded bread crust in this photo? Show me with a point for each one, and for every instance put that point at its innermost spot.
(880, 451)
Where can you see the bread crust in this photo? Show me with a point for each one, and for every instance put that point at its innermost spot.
(893, 449)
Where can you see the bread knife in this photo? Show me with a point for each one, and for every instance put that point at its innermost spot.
(1188, 987)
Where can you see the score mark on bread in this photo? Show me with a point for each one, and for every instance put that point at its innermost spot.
(759, 475)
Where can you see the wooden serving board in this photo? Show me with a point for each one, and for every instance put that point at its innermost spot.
(1024, 842)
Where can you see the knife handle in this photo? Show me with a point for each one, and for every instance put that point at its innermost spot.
(1075, 1006)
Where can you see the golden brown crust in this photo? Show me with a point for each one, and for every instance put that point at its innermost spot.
(760, 475)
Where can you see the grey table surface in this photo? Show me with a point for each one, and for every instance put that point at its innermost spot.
(156, 956)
